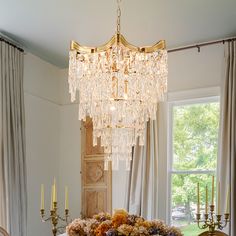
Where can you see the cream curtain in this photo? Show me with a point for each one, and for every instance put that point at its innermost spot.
(227, 171)
(13, 194)
(142, 188)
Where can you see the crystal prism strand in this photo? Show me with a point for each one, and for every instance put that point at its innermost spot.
(128, 162)
(147, 80)
(106, 164)
(95, 138)
(72, 78)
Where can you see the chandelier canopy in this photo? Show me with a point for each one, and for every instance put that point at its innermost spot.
(119, 87)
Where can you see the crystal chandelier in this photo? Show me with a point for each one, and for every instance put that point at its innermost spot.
(119, 87)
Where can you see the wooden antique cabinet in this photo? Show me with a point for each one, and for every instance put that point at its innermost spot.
(96, 183)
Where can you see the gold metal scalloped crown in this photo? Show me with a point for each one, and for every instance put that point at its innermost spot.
(117, 39)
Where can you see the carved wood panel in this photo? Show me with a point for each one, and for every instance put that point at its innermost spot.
(96, 201)
(96, 183)
(94, 173)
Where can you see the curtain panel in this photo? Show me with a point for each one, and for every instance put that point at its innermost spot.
(143, 181)
(13, 194)
(227, 154)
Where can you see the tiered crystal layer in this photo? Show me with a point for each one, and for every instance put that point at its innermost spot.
(119, 89)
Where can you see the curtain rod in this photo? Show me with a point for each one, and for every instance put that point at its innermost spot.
(199, 45)
(11, 44)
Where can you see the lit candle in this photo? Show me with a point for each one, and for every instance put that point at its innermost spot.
(66, 198)
(218, 198)
(213, 191)
(206, 209)
(198, 199)
(227, 201)
(42, 197)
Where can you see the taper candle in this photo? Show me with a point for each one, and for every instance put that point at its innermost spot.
(54, 191)
(52, 197)
(213, 191)
(206, 207)
(42, 197)
(227, 201)
(218, 200)
(66, 199)
(198, 199)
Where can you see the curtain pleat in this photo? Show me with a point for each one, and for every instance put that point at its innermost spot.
(13, 166)
(227, 170)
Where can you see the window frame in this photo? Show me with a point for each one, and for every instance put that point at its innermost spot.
(170, 171)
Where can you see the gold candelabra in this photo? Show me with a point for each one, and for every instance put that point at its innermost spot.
(212, 221)
(54, 216)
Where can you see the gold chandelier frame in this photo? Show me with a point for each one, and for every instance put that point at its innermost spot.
(117, 39)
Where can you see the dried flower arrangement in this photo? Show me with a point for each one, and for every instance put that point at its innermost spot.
(120, 224)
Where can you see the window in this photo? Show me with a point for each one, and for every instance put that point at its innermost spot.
(193, 140)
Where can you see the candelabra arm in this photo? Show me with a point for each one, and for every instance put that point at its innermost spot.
(226, 220)
(42, 213)
(199, 221)
(47, 219)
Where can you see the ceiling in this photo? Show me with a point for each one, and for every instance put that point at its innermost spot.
(45, 27)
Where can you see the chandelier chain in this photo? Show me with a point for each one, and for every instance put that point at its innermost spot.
(118, 16)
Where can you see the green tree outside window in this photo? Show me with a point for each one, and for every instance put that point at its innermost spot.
(195, 145)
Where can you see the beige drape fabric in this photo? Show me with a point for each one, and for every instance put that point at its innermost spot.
(13, 195)
(227, 171)
(142, 189)
(3, 216)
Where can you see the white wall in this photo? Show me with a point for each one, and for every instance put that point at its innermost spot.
(41, 79)
(41, 86)
(70, 146)
(52, 141)
(69, 168)
(190, 69)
